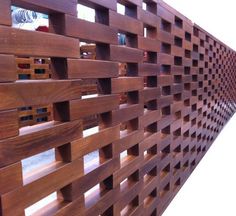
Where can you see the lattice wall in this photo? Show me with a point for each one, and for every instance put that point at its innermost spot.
(156, 119)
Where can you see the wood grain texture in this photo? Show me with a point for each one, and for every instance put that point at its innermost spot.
(125, 23)
(82, 29)
(127, 117)
(91, 106)
(31, 141)
(16, 95)
(85, 68)
(22, 42)
(9, 125)
(11, 178)
(7, 68)
(125, 54)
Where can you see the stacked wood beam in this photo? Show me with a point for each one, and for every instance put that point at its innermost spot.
(156, 119)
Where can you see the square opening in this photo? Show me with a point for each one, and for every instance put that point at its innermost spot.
(195, 48)
(150, 6)
(178, 22)
(150, 198)
(194, 78)
(166, 111)
(195, 31)
(85, 13)
(150, 175)
(166, 130)
(178, 61)
(150, 57)
(29, 20)
(166, 90)
(187, 53)
(186, 118)
(195, 63)
(201, 56)
(178, 97)
(202, 43)
(144, 6)
(150, 152)
(120, 9)
(187, 70)
(37, 161)
(166, 48)
(128, 209)
(151, 81)
(165, 69)
(188, 36)
(178, 115)
(149, 31)
(31, 210)
(165, 26)
(127, 39)
(177, 184)
(178, 41)
(127, 8)
(177, 132)
(165, 171)
(91, 161)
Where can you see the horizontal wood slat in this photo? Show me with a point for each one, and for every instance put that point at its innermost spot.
(108, 116)
(45, 91)
(85, 68)
(26, 43)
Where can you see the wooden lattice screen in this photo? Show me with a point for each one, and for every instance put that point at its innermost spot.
(156, 119)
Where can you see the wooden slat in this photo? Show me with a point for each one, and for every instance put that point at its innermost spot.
(9, 125)
(163, 88)
(82, 29)
(125, 54)
(31, 141)
(5, 12)
(29, 43)
(125, 23)
(43, 92)
(98, 3)
(122, 84)
(7, 68)
(37, 190)
(93, 142)
(86, 107)
(83, 68)
(48, 6)
(10, 178)
(148, 44)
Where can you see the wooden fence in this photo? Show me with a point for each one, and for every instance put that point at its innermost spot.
(156, 119)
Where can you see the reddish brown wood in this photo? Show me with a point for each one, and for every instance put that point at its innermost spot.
(128, 120)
